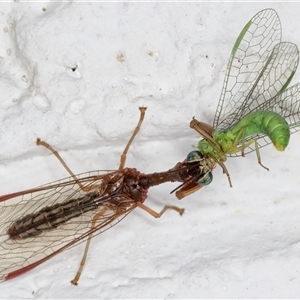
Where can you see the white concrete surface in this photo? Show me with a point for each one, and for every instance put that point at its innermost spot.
(74, 75)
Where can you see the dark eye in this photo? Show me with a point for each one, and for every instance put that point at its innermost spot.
(194, 156)
(207, 179)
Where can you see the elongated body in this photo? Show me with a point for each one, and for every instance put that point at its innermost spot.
(38, 223)
(114, 189)
(63, 222)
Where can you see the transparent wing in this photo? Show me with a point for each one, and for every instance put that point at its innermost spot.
(258, 69)
(19, 255)
(286, 104)
(274, 78)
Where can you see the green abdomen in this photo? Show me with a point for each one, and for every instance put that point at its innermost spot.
(267, 122)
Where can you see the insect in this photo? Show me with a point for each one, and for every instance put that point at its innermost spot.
(38, 223)
(255, 108)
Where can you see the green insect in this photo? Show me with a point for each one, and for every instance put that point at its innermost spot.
(255, 108)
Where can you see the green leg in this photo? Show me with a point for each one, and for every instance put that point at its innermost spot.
(225, 171)
(241, 136)
(258, 155)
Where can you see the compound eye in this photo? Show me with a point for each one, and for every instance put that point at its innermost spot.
(194, 156)
(206, 180)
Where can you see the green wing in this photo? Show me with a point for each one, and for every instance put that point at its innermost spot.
(259, 68)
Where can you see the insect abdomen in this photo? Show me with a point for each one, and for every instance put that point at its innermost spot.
(50, 217)
(267, 122)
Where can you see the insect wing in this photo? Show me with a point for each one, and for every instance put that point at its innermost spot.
(287, 105)
(275, 78)
(20, 255)
(250, 64)
(282, 64)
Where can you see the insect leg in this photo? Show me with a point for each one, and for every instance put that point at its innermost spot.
(158, 215)
(86, 249)
(238, 138)
(40, 142)
(245, 145)
(225, 171)
(258, 155)
(135, 132)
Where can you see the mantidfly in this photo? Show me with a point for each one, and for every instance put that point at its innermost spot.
(255, 107)
(38, 223)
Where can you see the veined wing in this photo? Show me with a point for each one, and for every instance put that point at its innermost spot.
(250, 69)
(274, 78)
(20, 255)
(86, 179)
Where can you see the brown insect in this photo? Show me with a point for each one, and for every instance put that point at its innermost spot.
(38, 223)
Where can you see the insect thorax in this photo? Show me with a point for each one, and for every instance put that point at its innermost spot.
(226, 142)
(207, 149)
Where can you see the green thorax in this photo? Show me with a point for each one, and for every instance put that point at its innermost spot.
(208, 148)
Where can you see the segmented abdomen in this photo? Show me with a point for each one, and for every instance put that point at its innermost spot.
(267, 122)
(50, 217)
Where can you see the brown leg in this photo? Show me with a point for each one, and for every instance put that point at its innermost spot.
(40, 142)
(135, 132)
(158, 215)
(86, 249)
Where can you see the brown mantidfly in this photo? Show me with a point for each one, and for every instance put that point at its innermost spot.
(38, 223)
